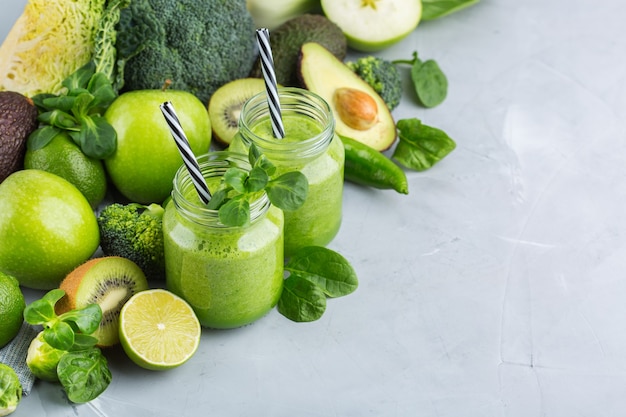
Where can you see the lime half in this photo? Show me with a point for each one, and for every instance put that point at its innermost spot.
(158, 329)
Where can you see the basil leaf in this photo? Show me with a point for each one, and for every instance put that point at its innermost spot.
(236, 178)
(102, 90)
(253, 154)
(41, 137)
(40, 100)
(80, 78)
(84, 374)
(264, 163)
(97, 138)
(301, 300)
(431, 84)
(41, 311)
(434, 9)
(325, 268)
(63, 103)
(57, 118)
(257, 180)
(289, 191)
(235, 212)
(87, 319)
(218, 198)
(83, 341)
(82, 103)
(419, 146)
(60, 335)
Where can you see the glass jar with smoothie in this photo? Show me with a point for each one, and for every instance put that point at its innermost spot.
(231, 276)
(310, 146)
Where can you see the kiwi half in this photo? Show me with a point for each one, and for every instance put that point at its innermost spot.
(107, 281)
(225, 106)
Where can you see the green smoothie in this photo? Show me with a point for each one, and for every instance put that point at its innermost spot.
(231, 276)
(318, 220)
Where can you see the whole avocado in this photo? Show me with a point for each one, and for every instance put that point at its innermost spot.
(287, 39)
(197, 45)
(18, 118)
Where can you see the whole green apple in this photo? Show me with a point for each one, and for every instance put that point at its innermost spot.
(147, 158)
(47, 228)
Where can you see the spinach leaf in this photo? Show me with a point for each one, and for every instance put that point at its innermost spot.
(429, 81)
(434, 9)
(431, 84)
(325, 268)
(84, 374)
(301, 300)
(315, 273)
(419, 146)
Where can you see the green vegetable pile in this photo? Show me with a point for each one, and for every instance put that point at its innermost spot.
(198, 45)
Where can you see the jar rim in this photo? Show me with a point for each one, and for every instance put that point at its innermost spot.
(212, 164)
(293, 100)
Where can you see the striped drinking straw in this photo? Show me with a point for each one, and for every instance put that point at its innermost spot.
(267, 67)
(185, 151)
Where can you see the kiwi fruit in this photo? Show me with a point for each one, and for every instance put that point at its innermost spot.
(108, 281)
(225, 106)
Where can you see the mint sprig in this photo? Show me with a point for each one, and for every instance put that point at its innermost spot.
(239, 187)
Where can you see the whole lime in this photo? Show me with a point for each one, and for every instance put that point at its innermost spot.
(12, 306)
(62, 156)
(147, 158)
(47, 228)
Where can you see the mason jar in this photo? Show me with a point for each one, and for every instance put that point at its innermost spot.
(231, 276)
(309, 146)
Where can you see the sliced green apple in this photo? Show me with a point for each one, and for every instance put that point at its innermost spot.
(359, 112)
(372, 25)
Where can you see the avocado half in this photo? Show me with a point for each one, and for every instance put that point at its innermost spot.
(322, 73)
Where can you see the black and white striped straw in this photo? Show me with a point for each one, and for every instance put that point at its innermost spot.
(267, 67)
(185, 151)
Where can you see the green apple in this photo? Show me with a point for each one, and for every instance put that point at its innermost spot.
(147, 158)
(47, 228)
(372, 25)
(271, 14)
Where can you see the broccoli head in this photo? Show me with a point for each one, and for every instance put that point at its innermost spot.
(382, 75)
(134, 231)
(197, 45)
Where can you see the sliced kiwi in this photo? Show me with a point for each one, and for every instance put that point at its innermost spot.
(107, 281)
(226, 103)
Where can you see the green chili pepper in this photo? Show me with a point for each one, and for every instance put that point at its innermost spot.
(367, 166)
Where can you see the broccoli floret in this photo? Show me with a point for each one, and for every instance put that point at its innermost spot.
(198, 45)
(134, 231)
(382, 75)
